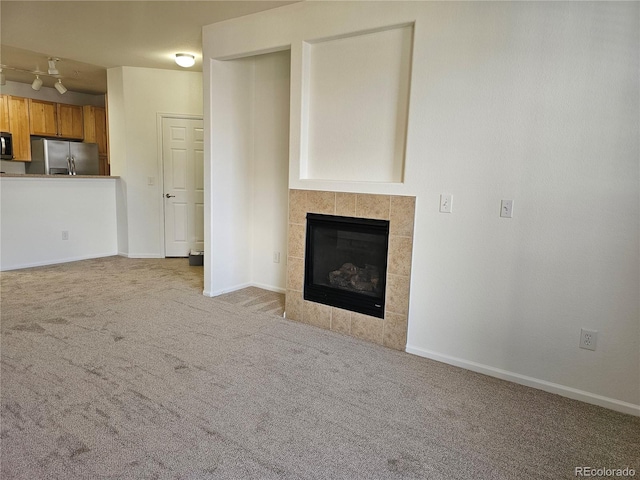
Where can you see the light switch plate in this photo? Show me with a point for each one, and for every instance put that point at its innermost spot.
(506, 208)
(445, 203)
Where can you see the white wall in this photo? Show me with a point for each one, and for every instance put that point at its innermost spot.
(532, 101)
(35, 211)
(118, 149)
(136, 97)
(228, 185)
(270, 169)
(248, 189)
(9, 166)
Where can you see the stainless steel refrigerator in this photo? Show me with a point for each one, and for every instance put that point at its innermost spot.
(59, 157)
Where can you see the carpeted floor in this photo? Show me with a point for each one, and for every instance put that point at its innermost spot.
(256, 300)
(121, 369)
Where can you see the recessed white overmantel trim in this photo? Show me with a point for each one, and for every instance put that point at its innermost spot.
(356, 100)
(318, 25)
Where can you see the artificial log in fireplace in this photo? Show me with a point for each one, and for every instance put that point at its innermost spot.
(346, 262)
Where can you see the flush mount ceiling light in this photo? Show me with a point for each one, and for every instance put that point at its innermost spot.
(37, 83)
(185, 60)
(60, 87)
(53, 70)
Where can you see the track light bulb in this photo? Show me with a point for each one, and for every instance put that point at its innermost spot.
(37, 83)
(52, 67)
(60, 87)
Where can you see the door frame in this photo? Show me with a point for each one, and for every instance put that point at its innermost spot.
(160, 168)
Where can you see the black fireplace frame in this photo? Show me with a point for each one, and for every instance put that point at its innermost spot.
(336, 297)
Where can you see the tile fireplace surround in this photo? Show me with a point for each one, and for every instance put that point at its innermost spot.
(400, 211)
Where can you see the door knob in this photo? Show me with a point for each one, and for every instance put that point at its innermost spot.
(169, 196)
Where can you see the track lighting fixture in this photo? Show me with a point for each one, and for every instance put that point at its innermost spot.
(185, 60)
(37, 83)
(60, 87)
(53, 70)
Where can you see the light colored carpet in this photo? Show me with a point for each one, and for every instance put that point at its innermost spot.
(256, 300)
(121, 369)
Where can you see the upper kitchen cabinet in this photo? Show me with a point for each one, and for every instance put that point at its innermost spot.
(18, 108)
(70, 123)
(43, 120)
(50, 119)
(4, 113)
(95, 131)
(95, 127)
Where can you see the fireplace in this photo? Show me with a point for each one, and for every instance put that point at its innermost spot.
(346, 263)
(389, 330)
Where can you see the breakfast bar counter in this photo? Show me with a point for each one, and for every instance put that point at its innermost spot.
(49, 219)
(35, 175)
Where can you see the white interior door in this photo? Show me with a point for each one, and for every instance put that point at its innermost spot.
(183, 164)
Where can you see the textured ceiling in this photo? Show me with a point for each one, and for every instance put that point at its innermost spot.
(91, 36)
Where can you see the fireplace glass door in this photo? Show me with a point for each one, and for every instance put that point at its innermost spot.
(346, 262)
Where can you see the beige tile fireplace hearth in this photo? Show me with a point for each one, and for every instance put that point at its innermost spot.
(400, 211)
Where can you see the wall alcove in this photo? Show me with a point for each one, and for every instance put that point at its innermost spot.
(249, 204)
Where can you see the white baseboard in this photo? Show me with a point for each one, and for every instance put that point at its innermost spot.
(55, 261)
(575, 394)
(271, 288)
(227, 290)
(141, 255)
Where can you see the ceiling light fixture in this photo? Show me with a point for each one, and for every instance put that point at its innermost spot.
(37, 83)
(60, 87)
(53, 70)
(185, 60)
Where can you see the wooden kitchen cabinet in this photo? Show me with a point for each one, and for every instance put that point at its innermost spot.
(104, 167)
(4, 113)
(19, 127)
(70, 123)
(48, 119)
(95, 127)
(95, 131)
(43, 118)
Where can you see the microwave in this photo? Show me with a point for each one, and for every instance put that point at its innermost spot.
(6, 146)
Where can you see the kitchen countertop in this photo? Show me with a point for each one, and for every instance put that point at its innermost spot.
(35, 175)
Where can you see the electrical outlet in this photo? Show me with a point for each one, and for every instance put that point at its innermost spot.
(65, 235)
(588, 339)
(276, 257)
